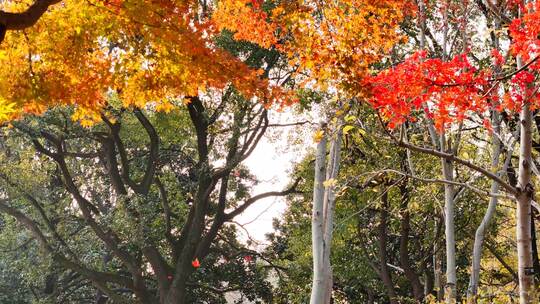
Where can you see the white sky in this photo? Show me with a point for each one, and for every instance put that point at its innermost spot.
(272, 162)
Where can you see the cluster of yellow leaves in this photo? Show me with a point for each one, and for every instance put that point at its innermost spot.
(318, 136)
(56, 62)
(248, 20)
(141, 52)
(7, 110)
(334, 42)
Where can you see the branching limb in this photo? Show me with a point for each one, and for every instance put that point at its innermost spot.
(20, 21)
(252, 200)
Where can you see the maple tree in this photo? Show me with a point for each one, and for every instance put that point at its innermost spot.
(446, 91)
(104, 55)
(141, 52)
(156, 203)
(453, 89)
(108, 58)
(330, 44)
(449, 91)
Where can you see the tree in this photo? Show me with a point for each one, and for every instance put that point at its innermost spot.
(322, 225)
(145, 53)
(455, 98)
(23, 20)
(148, 198)
(167, 54)
(334, 44)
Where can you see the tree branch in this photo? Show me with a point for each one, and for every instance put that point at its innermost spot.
(20, 21)
(252, 200)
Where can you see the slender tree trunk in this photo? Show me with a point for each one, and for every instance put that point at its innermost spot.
(437, 267)
(322, 223)
(101, 298)
(329, 209)
(448, 173)
(428, 282)
(411, 275)
(490, 212)
(386, 277)
(523, 212)
(371, 297)
(317, 237)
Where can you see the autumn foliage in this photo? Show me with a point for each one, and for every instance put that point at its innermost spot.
(141, 52)
(331, 43)
(449, 91)
(445, 90)
(159, 52)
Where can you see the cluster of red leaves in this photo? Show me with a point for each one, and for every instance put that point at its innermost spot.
(448, 91)
(521, 90)
(445, 90)
(524, 32)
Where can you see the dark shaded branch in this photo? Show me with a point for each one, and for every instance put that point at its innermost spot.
(146, 182)
(144, 186)
(20, 21)
(111, 162)
(198, 117)
(252, 200)
(95, 276)
(452, 157)
(248, 147)
(204, 246)
(166, 210)
(87, 208)
(501, 260)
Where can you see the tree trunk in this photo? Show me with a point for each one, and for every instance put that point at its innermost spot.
(322, 223)
(437, 267)
(414, 280)
(472, 291)
(386, 277)
(329, 209)
(523, 212)
(371, 297)
(319, 287)
(428, 282)
(448, 173)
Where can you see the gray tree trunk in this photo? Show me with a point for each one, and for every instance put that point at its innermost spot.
(448, 173)
(490, 212)
(523, 212)
(322, 222)
(317, 237)
(329, 208)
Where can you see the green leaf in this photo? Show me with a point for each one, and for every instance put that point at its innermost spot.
(346, 129)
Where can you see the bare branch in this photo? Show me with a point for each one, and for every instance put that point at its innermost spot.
(255, 198)
(20, 21)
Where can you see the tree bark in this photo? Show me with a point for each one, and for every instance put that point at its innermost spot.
(449, 231)
(317, 238)
(412, 276)
(20, 21)
(536, 260)
(386, 276)
(490, 212)
(322, 225)
(523, 212)
(332, 170)
(437, 267)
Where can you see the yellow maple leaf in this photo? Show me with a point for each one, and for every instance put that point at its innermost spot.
(318, 136)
